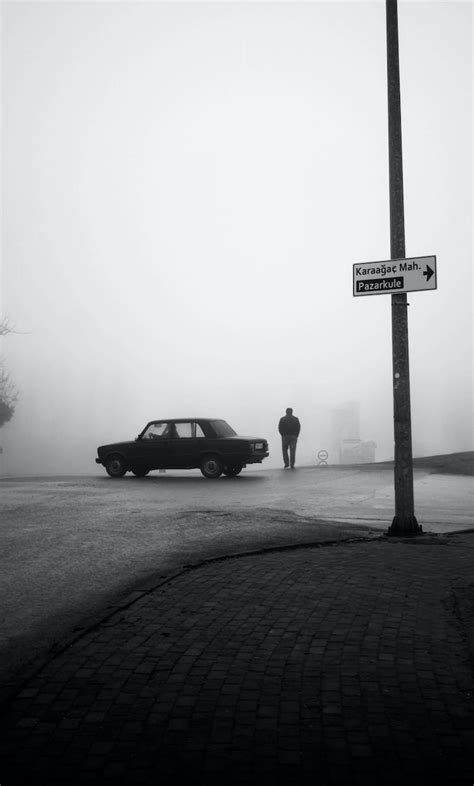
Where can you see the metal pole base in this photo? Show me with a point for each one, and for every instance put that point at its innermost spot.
(406, 526)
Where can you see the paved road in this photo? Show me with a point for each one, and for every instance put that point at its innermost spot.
(70, 546)
(345, 665)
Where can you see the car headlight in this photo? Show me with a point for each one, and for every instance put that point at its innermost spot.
(258, 445)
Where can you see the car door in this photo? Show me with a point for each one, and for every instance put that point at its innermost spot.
(183, 445)
(153, 449)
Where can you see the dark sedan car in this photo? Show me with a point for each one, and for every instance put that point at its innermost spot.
(184, 443)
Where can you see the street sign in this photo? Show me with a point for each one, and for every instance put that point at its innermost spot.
(395, 275)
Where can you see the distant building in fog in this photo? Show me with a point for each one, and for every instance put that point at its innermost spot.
(357, 452)
(346, 444)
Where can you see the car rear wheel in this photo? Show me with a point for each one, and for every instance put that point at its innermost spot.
(115, 466)
(140, 473)
(211, 467)
(232, 470)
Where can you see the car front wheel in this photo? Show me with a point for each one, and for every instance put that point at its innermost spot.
(115, 466)
(211, 467)
(232, 470)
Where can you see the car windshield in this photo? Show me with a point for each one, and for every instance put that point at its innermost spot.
(222, 429)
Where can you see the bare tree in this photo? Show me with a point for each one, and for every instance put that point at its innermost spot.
(5, 327)
(8, 391)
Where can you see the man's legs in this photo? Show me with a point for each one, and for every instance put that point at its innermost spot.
(293, 441)
(285, 442)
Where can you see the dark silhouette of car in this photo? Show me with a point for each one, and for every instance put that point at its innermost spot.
(183, 443)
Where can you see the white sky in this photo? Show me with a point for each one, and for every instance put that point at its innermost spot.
(186, 187)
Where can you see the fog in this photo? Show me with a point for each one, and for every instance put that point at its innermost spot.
(186, 187)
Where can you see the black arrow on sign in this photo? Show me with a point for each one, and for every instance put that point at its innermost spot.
(428, 273)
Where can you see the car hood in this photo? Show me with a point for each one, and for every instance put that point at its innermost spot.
(116, 445)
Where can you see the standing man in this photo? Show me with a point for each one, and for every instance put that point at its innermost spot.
(289, 428)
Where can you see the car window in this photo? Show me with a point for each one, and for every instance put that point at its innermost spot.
(184, 430)
(199, 431)
(155, 430)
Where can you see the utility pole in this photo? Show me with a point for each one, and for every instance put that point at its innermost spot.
(404, 522)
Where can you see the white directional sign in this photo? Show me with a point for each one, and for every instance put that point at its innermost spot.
(395, 275)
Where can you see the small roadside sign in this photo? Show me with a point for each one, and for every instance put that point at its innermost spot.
(394, 275)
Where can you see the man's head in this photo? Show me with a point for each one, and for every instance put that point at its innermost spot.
(289, 411)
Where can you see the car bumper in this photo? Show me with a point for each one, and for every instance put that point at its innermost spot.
(256, 458)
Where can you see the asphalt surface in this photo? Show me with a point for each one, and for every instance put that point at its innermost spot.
(349, 663)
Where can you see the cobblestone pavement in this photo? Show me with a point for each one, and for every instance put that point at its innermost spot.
(344, 664)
